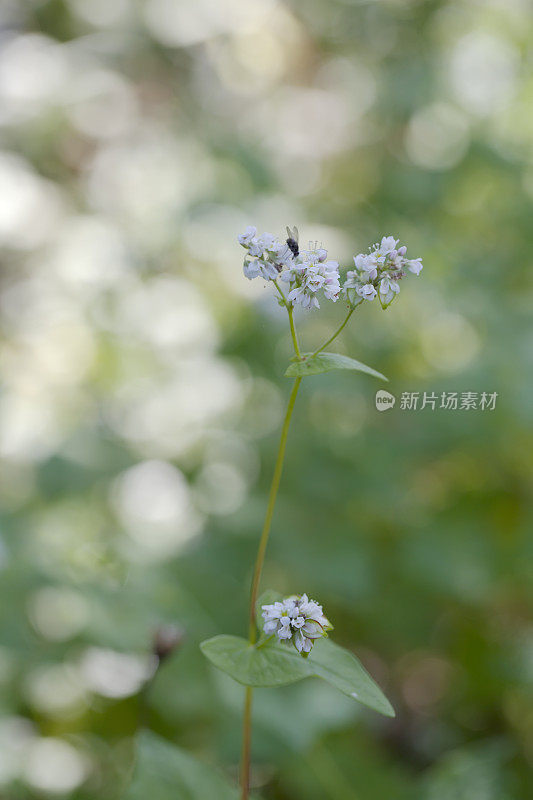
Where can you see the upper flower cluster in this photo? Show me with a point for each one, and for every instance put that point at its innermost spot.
(377, 272)
(266, 256)
(310, 272)
(298, 620)
(306, 272)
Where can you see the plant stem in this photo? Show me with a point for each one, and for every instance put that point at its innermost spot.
(290, 309)
(246, 741)
(350, 312)
(259, 561)
(247, 718)
(281, 294)
(270, 508)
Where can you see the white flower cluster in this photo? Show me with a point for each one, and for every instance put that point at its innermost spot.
(377, 272)
(298, 620)
(307, 273)
(266, 256)
(310, 272)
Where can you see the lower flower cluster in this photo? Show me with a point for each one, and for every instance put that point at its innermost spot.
(296, 620)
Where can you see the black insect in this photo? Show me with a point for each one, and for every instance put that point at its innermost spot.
(292, 241)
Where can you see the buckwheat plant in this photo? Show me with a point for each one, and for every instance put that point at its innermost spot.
(288, 637)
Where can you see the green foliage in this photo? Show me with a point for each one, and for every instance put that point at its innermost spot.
(344, 671)
(273, 664)
(269, 665)
(166, 772)
(326, 362)
(478, 771)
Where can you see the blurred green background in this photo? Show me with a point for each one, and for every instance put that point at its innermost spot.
(142, 386)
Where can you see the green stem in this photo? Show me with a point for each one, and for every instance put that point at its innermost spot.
(350, 312)
(259, 561)
(281, 294)
(246, 742)
(247, 718)
(290, 309)
(270, 507)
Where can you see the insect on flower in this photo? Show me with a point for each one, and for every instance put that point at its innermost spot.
(292, 240)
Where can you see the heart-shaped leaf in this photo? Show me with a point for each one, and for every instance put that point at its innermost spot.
(325, 362)
(273, 664)
(266, 665)
(344, 671)
(165, 772)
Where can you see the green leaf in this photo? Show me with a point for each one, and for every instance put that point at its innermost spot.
(325, 362)
(165, 772)
(270, 665)
(345, 672)
(273, 664)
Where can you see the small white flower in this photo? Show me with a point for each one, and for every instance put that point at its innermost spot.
(387, 245)
(367, 263)
(266, 256)
(268, 241)
(252, 268)
(388, 289)
(352, 280)
(296, 619)
(306, 299)
(310, 273)
(312, 629)
(311, 609)
(379, 272)
(367, 291)
(332, 289)
(388, 285)
(284, 628)
(302, 643)
(269, 271)
(256, 267)
(256, 249)
(283, 254)
(321, 254)
(415, 265)
(246, 237)
(265, 243)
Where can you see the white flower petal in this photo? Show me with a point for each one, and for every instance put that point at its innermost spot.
(246, 237)
(312, 630)
(270, 626)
